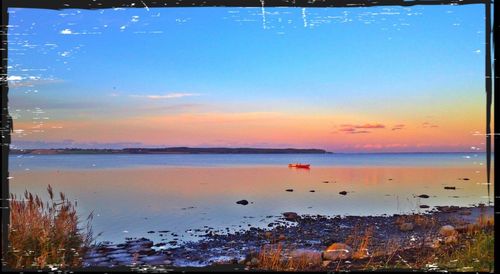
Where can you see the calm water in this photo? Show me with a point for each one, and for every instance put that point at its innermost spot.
(133, 194)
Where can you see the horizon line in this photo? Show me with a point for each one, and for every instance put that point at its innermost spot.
(256, 148)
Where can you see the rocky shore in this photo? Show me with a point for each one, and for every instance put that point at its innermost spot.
(324, 239)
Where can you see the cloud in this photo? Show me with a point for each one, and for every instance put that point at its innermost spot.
(380, 146)
(70, 32)
(14, 78)
(30, 81)
(166, 96)
(347, 129)
(66, 31)
(355, 129)
(360, 131)
(429, 125)
(398, 127)
(370, 126)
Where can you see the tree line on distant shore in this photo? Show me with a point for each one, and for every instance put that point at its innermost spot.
(170, 150)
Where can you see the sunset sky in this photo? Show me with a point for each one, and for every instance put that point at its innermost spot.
(385, 79)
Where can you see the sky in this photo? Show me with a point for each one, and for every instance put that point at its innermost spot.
(379, 79)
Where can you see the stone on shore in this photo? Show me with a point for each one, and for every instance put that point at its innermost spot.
(291, 216)
(312, 257)
(406, 227)
(452, 239)
(337, 251)
(447, 230)
(242, 202)
(156, 260)
(343, 193)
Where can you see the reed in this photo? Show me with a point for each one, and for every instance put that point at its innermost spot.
(43, 234)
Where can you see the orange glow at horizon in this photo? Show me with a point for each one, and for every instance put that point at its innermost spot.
(267, 129)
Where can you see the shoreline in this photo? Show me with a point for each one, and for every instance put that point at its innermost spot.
(309, 234)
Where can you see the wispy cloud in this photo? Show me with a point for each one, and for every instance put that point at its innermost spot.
(166, 96)
(365, 126)
(398, 127)
(429, 125)
(355, 129)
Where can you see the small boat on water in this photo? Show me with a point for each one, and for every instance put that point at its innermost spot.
(296, 165)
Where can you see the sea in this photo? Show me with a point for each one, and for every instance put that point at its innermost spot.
(179, 197)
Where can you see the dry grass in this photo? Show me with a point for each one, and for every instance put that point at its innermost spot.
(273, 257)
(476, 253)
(46, 233)
(420, 220)
(270, 258)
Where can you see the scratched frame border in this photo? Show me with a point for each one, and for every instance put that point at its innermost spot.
(7, 124)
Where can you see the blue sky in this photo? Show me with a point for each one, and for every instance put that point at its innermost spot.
(377, 63)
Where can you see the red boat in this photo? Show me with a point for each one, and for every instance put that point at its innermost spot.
(300, 165)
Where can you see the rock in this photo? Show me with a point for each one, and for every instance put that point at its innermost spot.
(465, 179)
(465, 212)
(406, 227)
(425, 196)
(361, 254)
(96, 260)
(242, 202)
(310, 257)
(447, 230)
(450, 187)
(343, 193)
(326, 182)
(141, 250)
(122, 258)
(326, 263)
(154, 260)
(452, 239)
(436, 244)
(337, 251)
(117, 253)
(254, 262)
(140, 242)
(447, 208)
(289, 190)
(291, 216)
(312, 190)
(282, 237)
(424, 206)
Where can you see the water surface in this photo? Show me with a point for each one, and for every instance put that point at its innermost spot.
(133, 194)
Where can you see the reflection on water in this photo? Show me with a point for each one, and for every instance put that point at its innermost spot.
(128, 202)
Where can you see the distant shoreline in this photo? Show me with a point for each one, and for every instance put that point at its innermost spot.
(170, 150)
(220, 150)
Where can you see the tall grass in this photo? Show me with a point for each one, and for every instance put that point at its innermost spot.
(274, 257)
(46, 233)
(476, 253)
